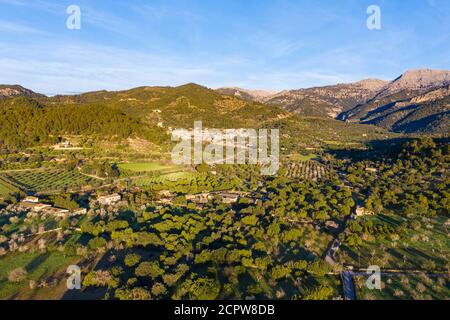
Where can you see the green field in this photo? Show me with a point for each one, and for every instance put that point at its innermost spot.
(5, 188)
(302, 157)
(425, 248)
(147, 167)
(39, 266)
(144, 181)
(39, 180)
(405, 287)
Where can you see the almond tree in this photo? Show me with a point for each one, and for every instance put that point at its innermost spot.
(17, 275)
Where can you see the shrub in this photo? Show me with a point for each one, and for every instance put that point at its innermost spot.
(17, 275)
(149, 269)
(132, 294)
(132, 259)
(159, 289)
(320, 293)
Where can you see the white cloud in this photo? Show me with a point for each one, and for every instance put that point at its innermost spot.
(11, 27)
(86, 67)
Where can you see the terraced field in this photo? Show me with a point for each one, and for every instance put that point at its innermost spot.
(311, 170)
(36, 181)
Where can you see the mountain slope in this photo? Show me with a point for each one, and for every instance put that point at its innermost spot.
(249, 95)
(16, 90)
(179, 107)
(327, 101)
(152, 112)
(420, 80)
(27, 123)
(145, 112)
(405, 104)
(417, 101)
(426, 113)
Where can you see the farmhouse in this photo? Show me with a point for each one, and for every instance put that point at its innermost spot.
(228, 197)
(58, 212)
(164, 193)
(35, 207)
(361, 211)
(31, 199)
(201, 198)
(63, 145)
(165, 200)
(79, 212)
(109, 199)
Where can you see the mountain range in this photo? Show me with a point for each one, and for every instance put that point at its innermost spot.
(417, 101)
(152, 113)
(16, 90)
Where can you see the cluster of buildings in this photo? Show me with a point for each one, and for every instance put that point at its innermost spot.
(33, 204)
(240, 138)
(228, 197)
(109, 199)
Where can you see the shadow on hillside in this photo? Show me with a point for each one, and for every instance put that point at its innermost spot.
(36, 262)
(89, 293)
(86, 294)
(377, 149)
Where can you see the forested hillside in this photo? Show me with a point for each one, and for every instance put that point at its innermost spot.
(152, 112)
(26, 123)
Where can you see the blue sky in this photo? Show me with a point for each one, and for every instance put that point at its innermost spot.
(256, 44)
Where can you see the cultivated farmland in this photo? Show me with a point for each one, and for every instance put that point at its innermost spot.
(311, 170)
(40, 180)
(420, 286)
(6, 188)
(145, 181)
(147, 168)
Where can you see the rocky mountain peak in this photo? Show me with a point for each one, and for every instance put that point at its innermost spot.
(419, 79)
(16, 90)
(371, 84)
(246, 94)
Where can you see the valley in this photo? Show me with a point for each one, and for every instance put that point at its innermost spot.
(88, 180)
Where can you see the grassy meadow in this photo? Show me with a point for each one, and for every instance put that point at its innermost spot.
(39, 266)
